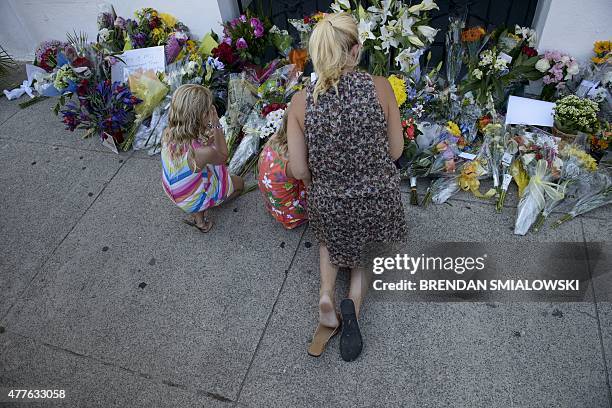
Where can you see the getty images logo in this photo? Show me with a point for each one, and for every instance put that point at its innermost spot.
(413, 264)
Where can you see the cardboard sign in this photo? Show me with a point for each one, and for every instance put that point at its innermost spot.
(143, 58)
(525, 111)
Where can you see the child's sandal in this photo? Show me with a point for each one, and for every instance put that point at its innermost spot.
(208, 224)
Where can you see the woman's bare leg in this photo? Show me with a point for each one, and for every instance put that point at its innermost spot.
(327, 307)
(358, 287)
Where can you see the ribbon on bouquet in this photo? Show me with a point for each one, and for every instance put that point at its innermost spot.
(468, 181)
(539, 188)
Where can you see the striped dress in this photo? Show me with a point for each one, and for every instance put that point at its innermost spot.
(194, 191)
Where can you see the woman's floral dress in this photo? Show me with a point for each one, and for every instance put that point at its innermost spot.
(354, 198)
(285, 197)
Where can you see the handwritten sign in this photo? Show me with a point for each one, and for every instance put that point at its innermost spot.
(141, 58)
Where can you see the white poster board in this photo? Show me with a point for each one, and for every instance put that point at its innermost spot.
(525, 111)
(141, 58)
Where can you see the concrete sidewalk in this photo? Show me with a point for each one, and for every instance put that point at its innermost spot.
(106, 294)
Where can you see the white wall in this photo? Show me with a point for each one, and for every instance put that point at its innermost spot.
(573, 26)
(25, 23)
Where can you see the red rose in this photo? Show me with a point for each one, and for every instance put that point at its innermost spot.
(272, 107)
(529, 51)
(306, 20)
(225, 53)
(81, 62)
(83, 88)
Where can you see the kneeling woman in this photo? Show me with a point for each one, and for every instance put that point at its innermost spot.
(284, 195)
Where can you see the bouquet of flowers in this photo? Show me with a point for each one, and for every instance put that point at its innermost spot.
(244, 42)
(45, 55)
(486, 77)
(111, 30)
(575, 182)
(600, 194)
(474, 40)
(304, 26)
(574, 114)
(602, 51)
(557, 68)
(106, 109)
(151, 28)
(265, 117)
(393, 33)
(538, 155)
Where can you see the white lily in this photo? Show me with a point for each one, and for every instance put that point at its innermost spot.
(407, 23)
(340, 5)
(365, 31)
(415, 41)
(387, 39)
(406, 59)
(428, 32)
(382, 12)
(426, 5)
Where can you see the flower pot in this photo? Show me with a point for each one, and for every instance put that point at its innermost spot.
(566, 137)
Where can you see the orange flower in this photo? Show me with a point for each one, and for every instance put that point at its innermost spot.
(472, 34)
(298, 57)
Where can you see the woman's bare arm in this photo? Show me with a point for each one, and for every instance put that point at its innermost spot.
(298, 151)
(392, 114)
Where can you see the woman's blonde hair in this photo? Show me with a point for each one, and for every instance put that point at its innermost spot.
(188, 118)
(279, 141)
(330, 47)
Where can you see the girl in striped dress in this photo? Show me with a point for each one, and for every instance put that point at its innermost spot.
(194, 152)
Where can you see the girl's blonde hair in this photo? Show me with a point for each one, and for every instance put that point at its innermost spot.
(188, 118)
(330, 47)
(279, 141)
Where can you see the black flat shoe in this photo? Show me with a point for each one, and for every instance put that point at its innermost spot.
(351, 343)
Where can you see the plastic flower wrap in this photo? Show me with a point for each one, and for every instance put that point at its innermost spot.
(466, 179)
(242, 95)
(454, 48)
(147, 87)
(539, 189)
(577, 178)
(599, 195)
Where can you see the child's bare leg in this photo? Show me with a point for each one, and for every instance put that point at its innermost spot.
(327, 308)
(238, 184)
(201, 219)
(358, 287)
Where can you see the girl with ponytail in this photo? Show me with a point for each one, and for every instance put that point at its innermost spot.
(344, 134)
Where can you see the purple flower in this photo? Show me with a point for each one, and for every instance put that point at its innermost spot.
(241, 44)
(139, 40)
(243, 18)
(120, 23)
(228, 40)
(172, 49)
(258, 28)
